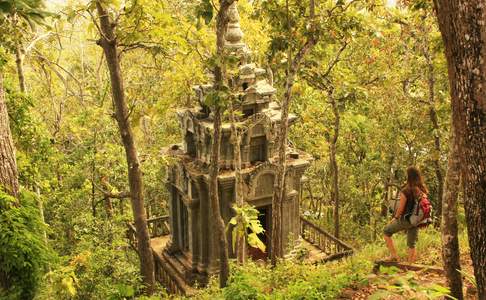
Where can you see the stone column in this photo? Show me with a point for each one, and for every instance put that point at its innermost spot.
(299, 172)
(174, 218)
(290, 214)
(227, 193)
(194, 236)
(204, 223)
(245, 151)
(180, 220)
(214, 245)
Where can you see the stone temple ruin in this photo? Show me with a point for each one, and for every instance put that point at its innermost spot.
(189, 253)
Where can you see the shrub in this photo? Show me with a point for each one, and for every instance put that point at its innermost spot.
(23, 253)
(239, 288)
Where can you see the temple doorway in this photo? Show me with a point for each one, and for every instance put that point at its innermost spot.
(265, 218)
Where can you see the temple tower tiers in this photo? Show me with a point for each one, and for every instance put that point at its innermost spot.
(193, 247)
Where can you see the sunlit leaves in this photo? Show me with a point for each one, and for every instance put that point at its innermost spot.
(246, 224)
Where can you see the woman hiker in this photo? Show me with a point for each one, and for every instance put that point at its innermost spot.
(412, 190)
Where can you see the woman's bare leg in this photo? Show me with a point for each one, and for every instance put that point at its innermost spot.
(412, 255)
(391, 247)
(412, 236)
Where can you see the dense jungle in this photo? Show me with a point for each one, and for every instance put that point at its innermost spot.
(251, 149)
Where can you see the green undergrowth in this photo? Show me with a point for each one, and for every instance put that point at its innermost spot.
(293, 280)
(289, 281)
(24, 256)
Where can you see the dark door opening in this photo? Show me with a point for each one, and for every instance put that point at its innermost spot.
(258, 149)
(265, 218)
(190, 144)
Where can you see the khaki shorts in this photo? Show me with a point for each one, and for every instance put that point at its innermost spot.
(402, 225)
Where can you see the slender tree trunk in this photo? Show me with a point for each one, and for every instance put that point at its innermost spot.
(93, 175)
(387, 194)
(464, 33)
(40, 206)
(9, 178)
(219, 78)
(279, 185)
(19, 61)
(450, 241)
(214, 197)
(334, 165)
(108, 204)
(108, 43)
(241, 241)
(435, 126)
(19, 56)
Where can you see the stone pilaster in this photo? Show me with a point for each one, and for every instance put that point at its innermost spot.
(227, 200)
(204, 226)
(173, 221)
(194, 236)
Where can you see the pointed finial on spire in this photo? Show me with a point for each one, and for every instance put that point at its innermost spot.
(234, 35)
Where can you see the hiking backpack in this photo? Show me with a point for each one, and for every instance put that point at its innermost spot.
(421, 213)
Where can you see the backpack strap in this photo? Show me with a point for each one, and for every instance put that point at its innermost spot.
(418, 202)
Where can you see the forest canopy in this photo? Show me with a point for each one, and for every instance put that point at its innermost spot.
(91, 94)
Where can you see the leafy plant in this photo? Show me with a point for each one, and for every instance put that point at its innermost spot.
(24, 255)
(246, 224)
(240, 289)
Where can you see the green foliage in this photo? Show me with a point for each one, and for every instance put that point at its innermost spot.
(407, 284)
(24, 255)
(290, 281)
(103, 266)
(3, 58)
(204, 10)
(246, 224)
(66, 137)
(240, 288)
(34, 148)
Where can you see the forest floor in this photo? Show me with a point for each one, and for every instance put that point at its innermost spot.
(396, 283)
(353, 277)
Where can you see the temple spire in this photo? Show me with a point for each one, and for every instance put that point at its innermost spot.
(234, 35)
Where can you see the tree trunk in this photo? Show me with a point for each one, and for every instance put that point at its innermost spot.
(9, 178)
(214, 197)
(241, 241)
(19, 61)
(108, 205)
(387, 183)
(435, 125)
(462, 26)
(279, 185)
(93, 175)
(219, 227)
(40, 206)
(334, 165)
(108, 43)
(450, 241)
(19, 56)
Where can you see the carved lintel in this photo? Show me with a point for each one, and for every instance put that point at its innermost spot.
(226, 182)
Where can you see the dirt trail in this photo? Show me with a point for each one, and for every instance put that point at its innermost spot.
(396, 284)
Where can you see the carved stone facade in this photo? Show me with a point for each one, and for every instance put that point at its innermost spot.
(193, 247)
